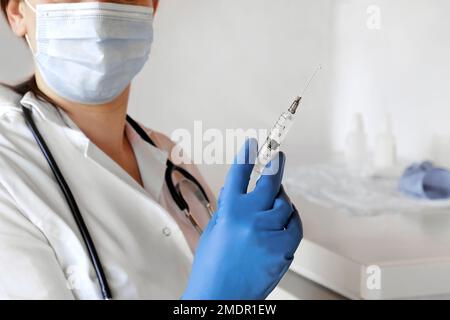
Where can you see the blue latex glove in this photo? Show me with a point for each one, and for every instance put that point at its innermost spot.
(425, 181)
(250, 242)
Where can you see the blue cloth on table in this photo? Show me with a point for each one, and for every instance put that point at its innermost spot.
(425, 181)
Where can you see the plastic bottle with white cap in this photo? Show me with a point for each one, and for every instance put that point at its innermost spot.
(356, 145)
(385, 155)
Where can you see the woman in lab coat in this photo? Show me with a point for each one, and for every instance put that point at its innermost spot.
(145, 242)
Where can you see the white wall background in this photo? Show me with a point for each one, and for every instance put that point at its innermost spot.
(238, 64)
(402, 69)
(15, 59)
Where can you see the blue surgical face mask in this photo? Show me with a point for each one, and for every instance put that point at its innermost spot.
(89, 52)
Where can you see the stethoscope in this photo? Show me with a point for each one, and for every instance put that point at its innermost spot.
(175, 192)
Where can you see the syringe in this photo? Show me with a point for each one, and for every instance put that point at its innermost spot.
(276, 135)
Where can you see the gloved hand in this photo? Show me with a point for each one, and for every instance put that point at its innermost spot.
(250, 242)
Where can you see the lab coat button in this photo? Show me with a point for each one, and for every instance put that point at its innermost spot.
(166, 231)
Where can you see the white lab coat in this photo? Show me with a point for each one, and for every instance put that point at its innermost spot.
(144, 242)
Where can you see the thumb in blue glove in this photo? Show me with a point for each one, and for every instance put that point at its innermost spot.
(250, 242)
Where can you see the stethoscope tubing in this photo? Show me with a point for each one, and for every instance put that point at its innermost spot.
(93, 255)
(89, 243)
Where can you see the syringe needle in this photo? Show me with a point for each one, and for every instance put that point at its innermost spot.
(294, 106)
(319, 67)
(276, 136)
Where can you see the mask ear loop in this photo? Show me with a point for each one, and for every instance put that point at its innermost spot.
(30, 6)
(26, 36)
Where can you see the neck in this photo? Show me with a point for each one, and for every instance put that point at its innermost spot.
(103, 124)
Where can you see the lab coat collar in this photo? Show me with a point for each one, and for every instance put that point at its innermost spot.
(152, 161)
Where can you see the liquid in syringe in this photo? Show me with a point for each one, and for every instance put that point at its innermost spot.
(276, 135)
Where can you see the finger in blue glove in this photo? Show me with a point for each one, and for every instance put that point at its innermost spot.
(250, 242)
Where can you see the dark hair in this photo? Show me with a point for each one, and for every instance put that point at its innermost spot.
(3, 4)
(29, 84)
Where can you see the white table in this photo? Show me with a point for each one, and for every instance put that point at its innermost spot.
(412, 251)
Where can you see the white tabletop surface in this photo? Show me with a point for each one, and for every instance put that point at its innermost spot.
(412, 250)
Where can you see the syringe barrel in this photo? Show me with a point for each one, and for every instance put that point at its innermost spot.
(272, 145)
